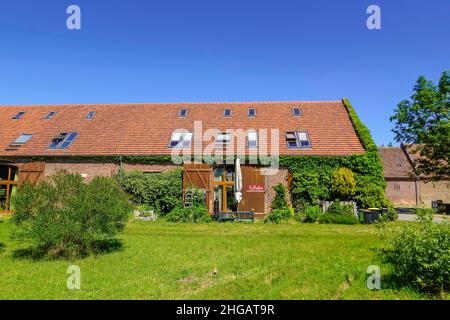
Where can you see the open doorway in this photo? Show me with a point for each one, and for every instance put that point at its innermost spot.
(9, 176)
(224, 199)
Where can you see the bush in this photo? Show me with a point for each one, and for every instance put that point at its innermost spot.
(343, 183)
(312, 214)
(425, 214)
(161, 191)
(194, 214)
(392, 213)
(279, 215)
(328, 218)
(340, 209)
(280, 197)
(63, 216)
(419, 254)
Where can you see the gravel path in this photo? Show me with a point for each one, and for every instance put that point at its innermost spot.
(413, 217)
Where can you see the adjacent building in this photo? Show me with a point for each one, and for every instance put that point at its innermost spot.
(405, 188)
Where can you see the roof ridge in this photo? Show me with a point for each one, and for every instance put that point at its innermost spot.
(173, 103)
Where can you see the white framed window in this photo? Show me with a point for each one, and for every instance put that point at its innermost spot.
(63, 141)
(23, 138)
(18, 115)
(223, 138)
(297, 139)
(50, 115)
(227, 113)
(180, 140)
(303, 139)
(251, 112)
(90, 115)
(252, 140)
(296, 112)
(183, 113)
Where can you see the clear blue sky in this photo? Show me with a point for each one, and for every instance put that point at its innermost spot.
(230, 50)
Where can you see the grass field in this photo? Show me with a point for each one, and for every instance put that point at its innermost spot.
(159, 260)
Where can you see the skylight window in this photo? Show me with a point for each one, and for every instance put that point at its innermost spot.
(252, 112)
(180, 140)
(64, 140)
(297, 139)
(23, 139)
(303, 139)
(19, 115)
(183, 113)
(296, 112)
(227, 113)
(90, 115)
(252, 141)
(50, 115)
(223, 138)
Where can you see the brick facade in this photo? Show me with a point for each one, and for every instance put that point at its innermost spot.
(401, 193)
(434, 190)
(271, 180)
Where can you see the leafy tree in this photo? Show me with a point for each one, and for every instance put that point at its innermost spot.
(343, 183)
(423, 121)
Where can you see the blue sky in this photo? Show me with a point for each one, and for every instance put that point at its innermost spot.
(235, 50)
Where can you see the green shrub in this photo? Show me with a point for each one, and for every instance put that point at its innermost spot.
(279, 202)
(425, 214)
(279, 215)
(312, 214)
(63, 216)
(343, 183)
(419, 254)
(340, 209)
(194, 214)
(161, 191)
(328, 218)
(392, 213)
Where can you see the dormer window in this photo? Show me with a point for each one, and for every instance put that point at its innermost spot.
(252, 112)
(223, 138)
(252, 140)
(183, 113)
(90, 115)
(19, 116)
(50, 115)
(180, 140)
(296, 112)
(23, 139)
(227, 113)
(64, 140)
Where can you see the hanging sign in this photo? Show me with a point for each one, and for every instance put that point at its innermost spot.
(255, 188)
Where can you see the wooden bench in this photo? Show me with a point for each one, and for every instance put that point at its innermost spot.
(223, 216)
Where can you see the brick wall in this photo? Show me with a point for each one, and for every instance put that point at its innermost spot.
(434, 190)
(401, 193)
(272, 180)
(91, 169)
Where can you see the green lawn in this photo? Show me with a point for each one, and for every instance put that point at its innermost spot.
(168, 261)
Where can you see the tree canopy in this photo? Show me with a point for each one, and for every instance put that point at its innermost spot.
(422, 122)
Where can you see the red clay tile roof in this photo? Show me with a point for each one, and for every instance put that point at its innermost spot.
(395, 163)
(145, 129)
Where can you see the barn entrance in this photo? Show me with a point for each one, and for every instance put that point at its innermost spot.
(9, 178)
(218, 184)
(224, 199)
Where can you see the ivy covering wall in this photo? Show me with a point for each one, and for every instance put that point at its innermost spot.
(311, 175)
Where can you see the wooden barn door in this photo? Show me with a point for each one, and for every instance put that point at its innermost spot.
(198, 175)
(31, 172)
(253, 190)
